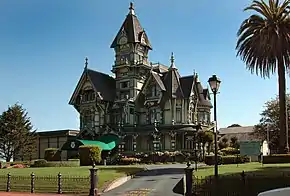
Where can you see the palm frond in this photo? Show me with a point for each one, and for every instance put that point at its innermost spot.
(264, 37)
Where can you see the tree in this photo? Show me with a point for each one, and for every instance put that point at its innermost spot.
(223, 143)
(205, 138)
(264, 45)
(234, 142)
(209, 140)
(17, 138)
(234, 125)
(269, 122)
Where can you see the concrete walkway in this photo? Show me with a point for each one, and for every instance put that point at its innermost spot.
(158, 180)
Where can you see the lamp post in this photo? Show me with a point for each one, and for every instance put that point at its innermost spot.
(214, 83)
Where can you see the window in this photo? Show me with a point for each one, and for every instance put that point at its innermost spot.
(116, 117)
(125, 84)
(148, 92)
(153, 115)
(154, 91)
(123, 95)
(178, 115)
(88, 119)
(121, 147)
(88, 95)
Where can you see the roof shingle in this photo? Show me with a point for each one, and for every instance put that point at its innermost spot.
(104, 84)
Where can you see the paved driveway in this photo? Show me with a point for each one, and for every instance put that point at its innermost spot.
(159, 180)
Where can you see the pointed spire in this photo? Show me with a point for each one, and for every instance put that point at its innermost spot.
(172, 66)
(131, 8)
(86, 63)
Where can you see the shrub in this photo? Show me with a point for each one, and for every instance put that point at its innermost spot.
(95, 154)
(234, 159)
(19, 166)
(88, 154)
(52, 154)
(39, 163)
(276, 158)
(230, 151)
(27, 163)
(210, 160)
(69, 163)
(129, 161)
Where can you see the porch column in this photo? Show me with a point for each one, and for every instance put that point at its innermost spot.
(134, 145)
(172, 135)
(121, 146)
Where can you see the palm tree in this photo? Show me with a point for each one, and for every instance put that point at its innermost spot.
(264, 45)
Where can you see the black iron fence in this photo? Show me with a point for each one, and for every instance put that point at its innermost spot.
(45, 184)
(240, 184)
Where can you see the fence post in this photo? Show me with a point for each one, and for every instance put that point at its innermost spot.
(188, 179)
(8, 182)
(59, 190)
(243, 175)
(32, 182)
(94, 181)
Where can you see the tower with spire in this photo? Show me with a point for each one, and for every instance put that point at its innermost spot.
(131, 46)
(144, 101)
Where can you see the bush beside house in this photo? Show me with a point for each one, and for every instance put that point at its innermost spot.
(52, 154)
(89, 155)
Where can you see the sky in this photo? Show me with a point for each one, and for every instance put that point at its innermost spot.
(43, 45)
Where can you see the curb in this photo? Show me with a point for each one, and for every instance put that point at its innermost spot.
(118, 182)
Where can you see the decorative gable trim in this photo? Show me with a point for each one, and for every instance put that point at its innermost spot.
(84, 78)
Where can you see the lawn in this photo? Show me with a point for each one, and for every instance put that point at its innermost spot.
(258, 178)
(74, 179)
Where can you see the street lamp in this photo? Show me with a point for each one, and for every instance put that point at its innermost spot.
(214, 83)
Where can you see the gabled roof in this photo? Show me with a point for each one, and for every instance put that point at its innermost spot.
(235, 130)
(103, 84)
(159, 68)
(133, 29)
(158, 80)
(172, 84)
(186, 85)
(203, 98)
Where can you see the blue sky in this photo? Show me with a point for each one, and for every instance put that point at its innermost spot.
(43, 45)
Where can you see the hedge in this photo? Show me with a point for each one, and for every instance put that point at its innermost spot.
(88, 154)
(210, 160)
(52, 154)
(44, 163)
(129, 161)
(230, 151)
(276, 158)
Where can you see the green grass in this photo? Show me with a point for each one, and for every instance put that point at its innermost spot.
(254, 168)
(258, 178)
(74, 179)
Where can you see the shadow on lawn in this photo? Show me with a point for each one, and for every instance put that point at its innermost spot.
(253, 182)
(126, 170)
(141, 172)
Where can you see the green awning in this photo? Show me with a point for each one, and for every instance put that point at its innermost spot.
(102, 145)
(105, 142)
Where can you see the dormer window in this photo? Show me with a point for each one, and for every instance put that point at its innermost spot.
(152, 91)
(88, 96)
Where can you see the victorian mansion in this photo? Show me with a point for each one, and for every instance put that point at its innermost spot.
(147, 106)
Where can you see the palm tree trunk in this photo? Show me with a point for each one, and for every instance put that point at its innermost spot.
(283, 123)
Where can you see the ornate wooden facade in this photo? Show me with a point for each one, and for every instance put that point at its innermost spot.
(150, 106)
